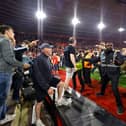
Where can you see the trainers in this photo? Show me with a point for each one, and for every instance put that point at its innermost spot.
(69, 100)
(120, 110)
(39, 123)
(65, 102)
(7, 119)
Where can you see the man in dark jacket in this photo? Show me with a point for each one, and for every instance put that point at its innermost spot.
(110, 70)
(44, 80)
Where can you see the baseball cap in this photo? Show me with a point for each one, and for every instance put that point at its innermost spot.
(45, 45)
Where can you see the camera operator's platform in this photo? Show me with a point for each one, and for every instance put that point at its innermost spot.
(84, 112)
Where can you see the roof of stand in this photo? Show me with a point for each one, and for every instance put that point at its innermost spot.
(21, 15)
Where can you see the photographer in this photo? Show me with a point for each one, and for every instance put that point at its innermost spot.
(19, 75)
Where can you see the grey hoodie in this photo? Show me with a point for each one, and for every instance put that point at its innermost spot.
(7, 56)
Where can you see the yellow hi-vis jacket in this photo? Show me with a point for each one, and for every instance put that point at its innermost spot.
(87, 64)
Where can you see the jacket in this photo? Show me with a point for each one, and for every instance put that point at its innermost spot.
(42, 71)
(7, 56)
(87, 64)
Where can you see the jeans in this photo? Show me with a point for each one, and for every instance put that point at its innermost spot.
(5, 83)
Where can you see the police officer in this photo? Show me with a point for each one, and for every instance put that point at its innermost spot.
(110, 69)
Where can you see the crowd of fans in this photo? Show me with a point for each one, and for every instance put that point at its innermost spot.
(46, 61)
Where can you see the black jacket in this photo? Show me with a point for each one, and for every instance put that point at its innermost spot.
(42, 71)
(109, 57)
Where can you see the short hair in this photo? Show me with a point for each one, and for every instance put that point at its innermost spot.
(102, 43)
(109, 44)
(4, 28)
(71, 40)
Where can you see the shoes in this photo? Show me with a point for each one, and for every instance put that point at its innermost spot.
(69, 100)
(39, 123)
(64, 102)
(99, 94)
(7, 119)
(120, 110)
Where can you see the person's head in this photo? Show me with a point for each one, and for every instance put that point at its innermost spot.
(7, 31)
(109, 46)
(123, 51)
(101, 46)
(46, 49)
(54, 54)
(72, 41)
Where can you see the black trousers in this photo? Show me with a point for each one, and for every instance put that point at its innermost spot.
(80, 77)
(16, 85)
(87, 75)
(100, 72)
(111, 74)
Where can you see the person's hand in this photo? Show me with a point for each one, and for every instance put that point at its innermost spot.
(33, 43)
(13, 42)
(50, 91)
(99, 63)
(74, 38)
(26, 65)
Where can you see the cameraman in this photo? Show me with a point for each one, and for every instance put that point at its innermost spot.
(19, 75)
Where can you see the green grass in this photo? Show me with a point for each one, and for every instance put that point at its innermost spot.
(122, 80)
(96, 76)
(62, 68)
